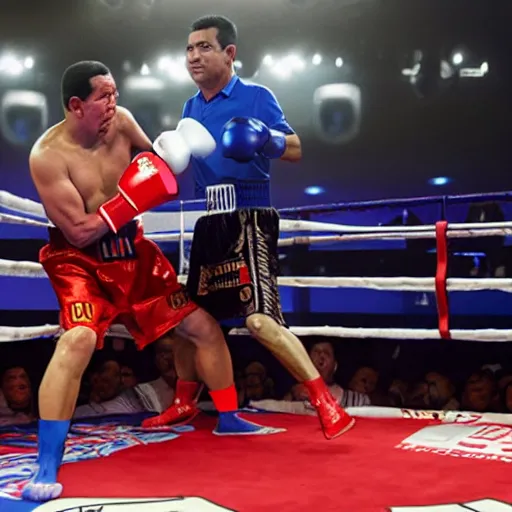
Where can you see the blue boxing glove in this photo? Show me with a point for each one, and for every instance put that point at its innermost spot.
(245, 137)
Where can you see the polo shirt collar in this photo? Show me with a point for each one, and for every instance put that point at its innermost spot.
(226, 91)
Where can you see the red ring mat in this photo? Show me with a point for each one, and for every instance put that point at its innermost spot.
(368, 469)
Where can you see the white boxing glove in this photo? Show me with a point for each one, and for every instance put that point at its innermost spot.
(172, 147)
(198, 138)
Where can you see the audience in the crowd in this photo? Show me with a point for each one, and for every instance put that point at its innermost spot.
(128, 378)
(322, 355)
(506, 397)
(254, 384)
(107, 395)
(121, 380)
(297, 399)
(480, 392)
(158, 394)
(16, 401)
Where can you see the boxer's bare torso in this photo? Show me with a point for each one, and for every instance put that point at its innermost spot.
(93, 171)
(73, 179)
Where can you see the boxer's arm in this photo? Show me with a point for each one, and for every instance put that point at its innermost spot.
(293, 152)
(62, 202)
(271, 113)
(132, 129)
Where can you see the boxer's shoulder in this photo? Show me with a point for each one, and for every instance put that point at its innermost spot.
(256, 89)
(124, 119)
(52, 138)
(48, 149)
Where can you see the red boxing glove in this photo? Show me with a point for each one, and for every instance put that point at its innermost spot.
(147, 182)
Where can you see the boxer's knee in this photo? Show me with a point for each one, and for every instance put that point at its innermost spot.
(200, 328)
(75, 348)
(265, 329)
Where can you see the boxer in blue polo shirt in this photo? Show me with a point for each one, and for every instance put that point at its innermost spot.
(234, 256)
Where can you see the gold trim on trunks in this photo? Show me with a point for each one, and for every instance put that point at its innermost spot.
(224, 275)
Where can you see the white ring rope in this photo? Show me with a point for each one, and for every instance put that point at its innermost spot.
(404, 284)
(164, 222)
(303, 225)
(399, 235)
(309, 240)
(20, 204)
(21, 269)
(499, 335)
(15, 219)
(484, 335)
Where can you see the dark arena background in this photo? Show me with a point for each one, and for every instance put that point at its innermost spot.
(403, 108)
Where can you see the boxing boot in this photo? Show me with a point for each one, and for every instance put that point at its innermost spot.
(333, 418)
(182, 410)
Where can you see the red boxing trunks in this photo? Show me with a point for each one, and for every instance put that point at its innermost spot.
(123, 278)
(234, 264)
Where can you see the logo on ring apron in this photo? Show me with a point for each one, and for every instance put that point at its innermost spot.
(81, 312)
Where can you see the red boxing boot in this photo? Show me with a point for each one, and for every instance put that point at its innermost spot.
(182, 410)
(333, 418)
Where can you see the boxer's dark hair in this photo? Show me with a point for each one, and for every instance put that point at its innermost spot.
(76, 80)
(226, 29)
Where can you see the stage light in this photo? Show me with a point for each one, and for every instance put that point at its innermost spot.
(10, 65)
(337, 112)
(268, 60)
(317, 59)
(339, 62)
(458, 58)
(164, 63)
(314, 190)
(287, 66)
(23, 116)
(28, 63)
(439, 181)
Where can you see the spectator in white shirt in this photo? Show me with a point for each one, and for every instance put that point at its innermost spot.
(158, 394)
(107, 396)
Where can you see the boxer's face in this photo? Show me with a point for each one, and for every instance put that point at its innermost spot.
(207, 62)
(97, 111)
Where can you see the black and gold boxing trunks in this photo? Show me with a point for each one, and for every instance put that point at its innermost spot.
(234, 264)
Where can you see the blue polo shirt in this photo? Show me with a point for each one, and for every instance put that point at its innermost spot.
(237, 99)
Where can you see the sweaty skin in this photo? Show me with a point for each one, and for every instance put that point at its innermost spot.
(69, 176)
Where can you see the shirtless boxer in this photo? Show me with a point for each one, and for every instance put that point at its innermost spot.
(101, 266)
(234, 259)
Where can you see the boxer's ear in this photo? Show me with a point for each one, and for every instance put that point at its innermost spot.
(75, 105)
(230, 51)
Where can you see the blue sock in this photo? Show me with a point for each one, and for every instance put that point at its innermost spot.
(52, 439)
